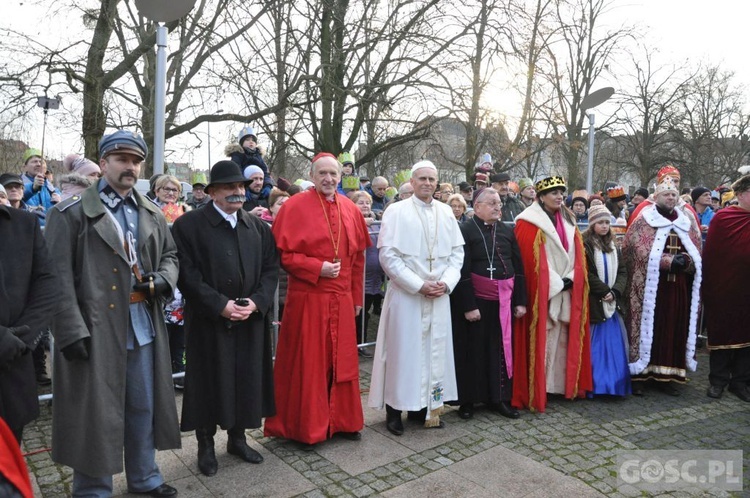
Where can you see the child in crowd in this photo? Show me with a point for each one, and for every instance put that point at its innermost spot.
(607, 277)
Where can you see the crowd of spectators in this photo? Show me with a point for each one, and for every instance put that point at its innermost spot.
(561, 291)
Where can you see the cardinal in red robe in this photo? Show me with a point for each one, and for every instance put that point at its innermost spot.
(321, 236)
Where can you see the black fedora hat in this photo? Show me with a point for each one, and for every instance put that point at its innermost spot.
(226, 172)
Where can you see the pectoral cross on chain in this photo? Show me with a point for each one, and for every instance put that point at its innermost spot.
(430, 260)
(491, 269)
(673, 248)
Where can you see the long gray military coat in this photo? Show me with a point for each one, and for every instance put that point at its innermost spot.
(89, 396)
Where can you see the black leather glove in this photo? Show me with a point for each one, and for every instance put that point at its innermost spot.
(79, 350)
(161, 287)
(11, 347)
(680, 262)
(567, 284)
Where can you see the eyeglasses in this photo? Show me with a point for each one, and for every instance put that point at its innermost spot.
(169, 190)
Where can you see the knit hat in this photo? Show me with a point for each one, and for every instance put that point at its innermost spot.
(251, 170)
(481, 177)
(697, 192)
(485, 166)
(283, 184)
(580, 195)
(464, 187)
(29, 153)
(598, 213)
(79, 164)
(643, 192)
(2, 190)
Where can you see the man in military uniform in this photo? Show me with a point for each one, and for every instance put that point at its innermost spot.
(112, 370)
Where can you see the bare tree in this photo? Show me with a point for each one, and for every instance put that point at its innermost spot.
(647, 116)
(576, 55)
(710, 127)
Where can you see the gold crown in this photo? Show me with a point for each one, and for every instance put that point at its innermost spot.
(616, 192)
(550, 183)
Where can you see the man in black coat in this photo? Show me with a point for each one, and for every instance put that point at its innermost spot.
(228, 276)
(28, 301)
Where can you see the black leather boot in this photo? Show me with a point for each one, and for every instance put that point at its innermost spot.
(206, 456)
(237, 446)
(393, 421)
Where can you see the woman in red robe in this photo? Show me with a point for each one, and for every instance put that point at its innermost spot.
(551, 349)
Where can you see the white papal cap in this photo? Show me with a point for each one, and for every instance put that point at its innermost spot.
(423, 164)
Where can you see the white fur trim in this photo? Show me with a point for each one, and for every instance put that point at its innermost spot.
(663, 226)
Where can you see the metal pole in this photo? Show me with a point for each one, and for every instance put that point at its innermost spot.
(44, 129)
(160, 92)
(590, 172)
(208, 124)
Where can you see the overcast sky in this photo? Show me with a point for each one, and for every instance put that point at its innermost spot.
(683, 30)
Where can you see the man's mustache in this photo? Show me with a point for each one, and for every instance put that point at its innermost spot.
(126, 174)
(235, 198)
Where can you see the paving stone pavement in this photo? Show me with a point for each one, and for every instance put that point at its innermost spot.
(570, 450)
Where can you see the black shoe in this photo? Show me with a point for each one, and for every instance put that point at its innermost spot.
(394, 424)
(239, 447)
(668, 388)
(207, 463)
(714, 391)
(350, 436)
(363, 353)
(163, 490)
(43, 379)
(466, 411)
(306, 446)
(637, 389)
(742, 392)
(418, 416)
(504, 409)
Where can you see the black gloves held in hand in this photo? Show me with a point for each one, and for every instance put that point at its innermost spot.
(79, 350)
(680, 262)
(567, 284)
(161, 287)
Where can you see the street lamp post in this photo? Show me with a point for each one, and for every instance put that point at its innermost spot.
(589, 102)
(161, 11)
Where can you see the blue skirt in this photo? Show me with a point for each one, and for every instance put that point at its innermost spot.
(609, 358)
